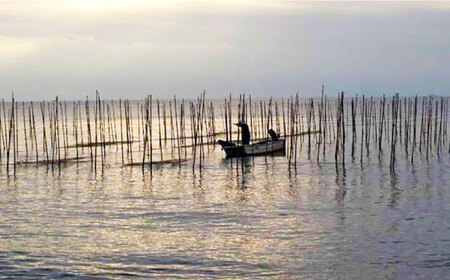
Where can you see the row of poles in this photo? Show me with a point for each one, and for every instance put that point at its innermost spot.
(149, 132)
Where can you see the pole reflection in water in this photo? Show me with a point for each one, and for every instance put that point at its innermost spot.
(350, 214)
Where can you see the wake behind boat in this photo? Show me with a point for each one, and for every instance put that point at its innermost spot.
(270, 147)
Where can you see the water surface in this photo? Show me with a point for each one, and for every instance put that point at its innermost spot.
(254, 218)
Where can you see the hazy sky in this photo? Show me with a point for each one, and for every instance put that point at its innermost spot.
(133, 48)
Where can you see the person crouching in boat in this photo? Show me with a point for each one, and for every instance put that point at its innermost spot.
(273, 135)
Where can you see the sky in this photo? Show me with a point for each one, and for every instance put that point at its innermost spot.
(128, 49)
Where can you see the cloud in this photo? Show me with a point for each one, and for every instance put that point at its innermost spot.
(182, 47)
(13, 48)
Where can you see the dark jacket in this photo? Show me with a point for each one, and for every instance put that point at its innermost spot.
(245, 133)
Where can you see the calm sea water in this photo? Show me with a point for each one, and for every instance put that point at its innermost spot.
(241, 219)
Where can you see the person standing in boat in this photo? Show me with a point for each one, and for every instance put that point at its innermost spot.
(245, 135)
(245, 132)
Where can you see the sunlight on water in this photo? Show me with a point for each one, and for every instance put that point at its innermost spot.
(246, 219)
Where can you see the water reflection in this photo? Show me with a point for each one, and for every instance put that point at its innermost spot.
(241, 218)
(340, 183)
(395, 190)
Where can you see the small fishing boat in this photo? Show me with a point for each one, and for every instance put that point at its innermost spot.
(269, 147)
(256, 149)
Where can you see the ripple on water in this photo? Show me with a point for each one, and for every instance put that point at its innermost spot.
(255, 221)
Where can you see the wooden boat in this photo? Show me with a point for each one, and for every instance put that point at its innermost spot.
(256, 149)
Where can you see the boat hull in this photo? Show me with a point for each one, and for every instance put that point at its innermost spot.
(256, 149)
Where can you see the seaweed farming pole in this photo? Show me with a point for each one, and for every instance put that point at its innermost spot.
(436, 110)
(57, 131)
(177, 128)
(80, 123)
(338, 129)
(61, 129)
(108, 121)
(128, 132)
(261, 119)
(52, 116)
(277, 117)
(394, 132)
(101, 130)
(382, 123)
(296, 128)
(395, 120)
(96, 132)
(441, 124)
(5, 123)
(200, 128)
(171, 128)
(44, 134)
(144, 148)
(366, 125)
(10, 134)
(75, 127)
(151, 130)
(213, 120)
(127, 127)
(353, 108)
(145, 134)
(66, 132)
(159, 130)
(407, 112)
(446, 124)
(104, 124)
(230, 114)
(344, 133)
(51, 124)
(182, 133)
(88, 124)
(320, 140)
(288, 105)
(16, 137)
(251, 116)
(183, 112)
(325, 126)
(2, 139)
(284, 117)
(309, 119)
(440, 128)
(165, 123)
(343, 127)
(33, 129)
(194, 129)
(203, 124)
(25, 131)
(209, 123)
(421, 124)
(429, 127)
(226, 120)
(414, 130)
(121, 129)
(292, 117)
(114, 124)
(363, 105)
(138, 125)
